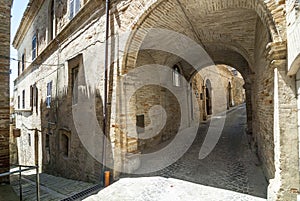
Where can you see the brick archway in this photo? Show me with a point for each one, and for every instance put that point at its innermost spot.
(156, 8)
(248, 32)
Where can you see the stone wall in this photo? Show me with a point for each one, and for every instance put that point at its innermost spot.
(263, 99)
(293, 33)
(147, 97)
(5, 9)
(222, 77)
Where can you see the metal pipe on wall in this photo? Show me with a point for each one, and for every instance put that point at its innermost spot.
(106, 67)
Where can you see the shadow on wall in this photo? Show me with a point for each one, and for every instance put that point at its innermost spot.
(72, 123)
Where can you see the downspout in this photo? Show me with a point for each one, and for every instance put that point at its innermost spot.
(56, 84)
(105, 92)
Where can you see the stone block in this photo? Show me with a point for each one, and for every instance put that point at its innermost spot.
(131, 162)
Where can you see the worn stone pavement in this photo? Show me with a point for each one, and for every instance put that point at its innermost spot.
(230, 172)
(7, 193)
(51, 187)
(166, 189)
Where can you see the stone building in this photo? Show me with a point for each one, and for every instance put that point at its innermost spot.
(5, 9)
(293, 33)
(59, 91)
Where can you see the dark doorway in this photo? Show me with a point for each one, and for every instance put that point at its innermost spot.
(208, 95)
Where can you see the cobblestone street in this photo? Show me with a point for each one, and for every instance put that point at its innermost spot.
(229, 172)
(231, 165)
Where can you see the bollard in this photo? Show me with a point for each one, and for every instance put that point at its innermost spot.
(106, 180)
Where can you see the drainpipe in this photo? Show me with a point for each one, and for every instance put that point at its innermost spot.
(105, 91)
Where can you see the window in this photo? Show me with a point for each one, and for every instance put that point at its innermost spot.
(49, 93)
(74, 78)
(31, 97)
(140, 123)
(52, 28)
(47, 144)
(34, 47)
(75, 84)
(29, 139)
(74, 7)
(47, 148)
(19, 67)
(23, 99)
(19, 102)
(36, 99)
(64, 143)
(176, 76)
(23, 61)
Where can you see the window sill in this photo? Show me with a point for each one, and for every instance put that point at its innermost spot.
(24, 110)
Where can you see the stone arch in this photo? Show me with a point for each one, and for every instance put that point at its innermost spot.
(244, 61)
(234, 47)
(258, 6)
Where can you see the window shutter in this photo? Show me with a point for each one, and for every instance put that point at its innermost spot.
(19, 66)
(23, 62)
(23, 99)
(34, 44)
(50, 94)
(48, 84)
(31, 97)
(19, 102)
(36, 99)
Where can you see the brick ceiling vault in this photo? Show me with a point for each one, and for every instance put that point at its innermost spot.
(225, 28)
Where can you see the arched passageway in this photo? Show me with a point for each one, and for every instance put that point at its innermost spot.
(231, 165)
(237, 33)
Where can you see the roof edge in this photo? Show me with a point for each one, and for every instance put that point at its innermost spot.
(31, 11)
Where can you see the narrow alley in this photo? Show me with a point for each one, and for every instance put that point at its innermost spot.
(231, 165)
(150, 100)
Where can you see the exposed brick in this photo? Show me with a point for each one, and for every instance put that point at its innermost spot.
(4, 89)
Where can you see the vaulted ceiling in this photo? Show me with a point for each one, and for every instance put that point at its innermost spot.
(227, 33)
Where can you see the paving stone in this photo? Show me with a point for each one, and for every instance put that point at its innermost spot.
(52, 188)
(231, 165)
(165, 189)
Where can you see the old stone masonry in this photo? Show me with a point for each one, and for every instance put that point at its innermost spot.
(197, 91)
